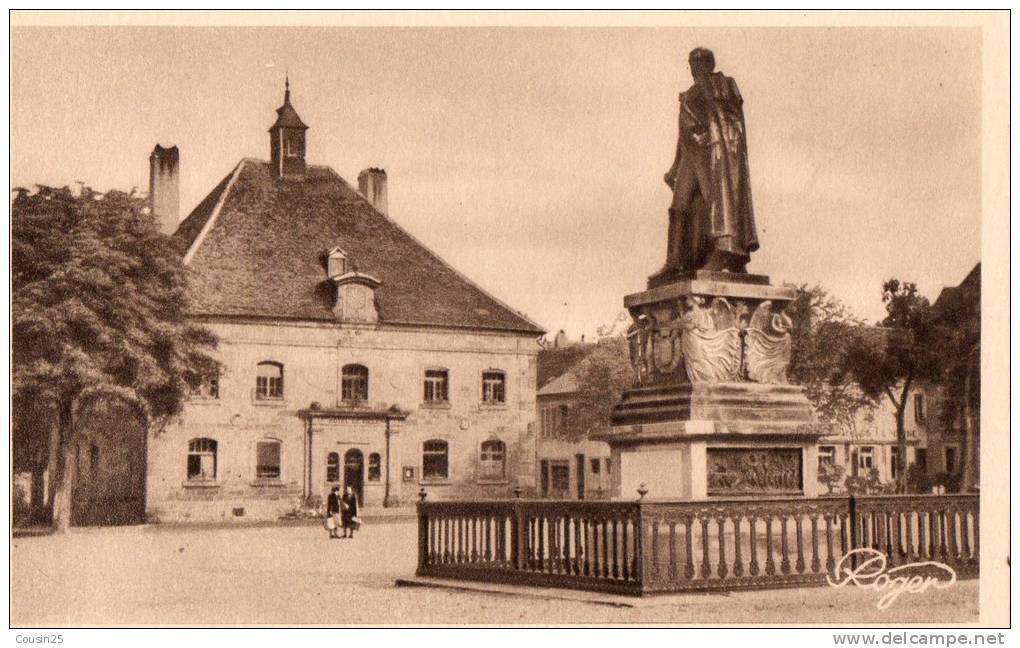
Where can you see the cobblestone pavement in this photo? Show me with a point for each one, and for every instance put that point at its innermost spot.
(293, 575)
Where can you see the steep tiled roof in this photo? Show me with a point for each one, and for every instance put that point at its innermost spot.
(969, 290)
(565, 384)
(254, 244)
(554, 363)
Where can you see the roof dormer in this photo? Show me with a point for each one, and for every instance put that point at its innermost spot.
(336, 263)
(355, 298)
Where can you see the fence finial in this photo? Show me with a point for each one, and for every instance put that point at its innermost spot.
(517, 492)
(422, 494)
(642, 491)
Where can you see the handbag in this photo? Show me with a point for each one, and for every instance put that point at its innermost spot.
(330, 523)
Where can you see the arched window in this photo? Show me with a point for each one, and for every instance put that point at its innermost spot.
(493, 460)
(201, 460)
(435, 459)
(437, 385)
(374, 467)
(267, 459)
(333, 467)
(493, 387)
(269, 380)
(354, 383)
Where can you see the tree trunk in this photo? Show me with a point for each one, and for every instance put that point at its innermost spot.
(53, 465)
(967, 480)
(63, 474)
(901, 444)
(37, 495)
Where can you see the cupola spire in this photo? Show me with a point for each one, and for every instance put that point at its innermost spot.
(287, 139)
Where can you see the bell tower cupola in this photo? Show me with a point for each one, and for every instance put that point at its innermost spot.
(287, 140)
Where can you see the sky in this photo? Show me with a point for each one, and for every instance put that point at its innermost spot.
(531, 159)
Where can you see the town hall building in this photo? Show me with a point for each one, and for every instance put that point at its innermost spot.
(351, 354)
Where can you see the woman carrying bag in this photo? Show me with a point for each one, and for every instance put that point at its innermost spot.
(349, 515)
(333, 512)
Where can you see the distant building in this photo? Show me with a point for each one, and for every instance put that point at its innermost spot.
(935, 447)
(870, 443)
(958, 306)
(352, 354)
(567, 468)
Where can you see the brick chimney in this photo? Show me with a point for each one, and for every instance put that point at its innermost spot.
(372, 185)
(164, 188)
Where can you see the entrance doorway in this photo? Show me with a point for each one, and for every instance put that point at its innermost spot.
(354, 472)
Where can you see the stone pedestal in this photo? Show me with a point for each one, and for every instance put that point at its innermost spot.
(712, 414)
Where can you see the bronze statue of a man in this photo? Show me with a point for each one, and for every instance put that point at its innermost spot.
(711, 221)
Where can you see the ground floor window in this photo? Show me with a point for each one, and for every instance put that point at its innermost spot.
(333, 467)
(493, 460)
(595, 465)
(866, 458)
(267, 459)
(826, 455)
(555, 477)
(560, 476)
(201, 460)
(374, 467)
(435, 459)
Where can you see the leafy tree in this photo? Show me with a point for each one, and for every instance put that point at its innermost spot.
(602, 377)
(831, 475)
(904, 354)
(98, 304)
(824, 330)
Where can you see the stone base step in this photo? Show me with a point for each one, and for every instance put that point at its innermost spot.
(722, 402)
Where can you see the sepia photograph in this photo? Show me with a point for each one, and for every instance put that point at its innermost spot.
(422, 319)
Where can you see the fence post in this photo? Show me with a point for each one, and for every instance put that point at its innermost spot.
(639, 545)
(854, 530)
(519, 536)
(423, 537)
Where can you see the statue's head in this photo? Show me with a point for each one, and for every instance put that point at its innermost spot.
(702, 62)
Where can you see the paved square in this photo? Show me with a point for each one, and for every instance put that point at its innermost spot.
(292, 575)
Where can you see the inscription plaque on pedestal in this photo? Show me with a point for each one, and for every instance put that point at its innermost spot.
(754, 471)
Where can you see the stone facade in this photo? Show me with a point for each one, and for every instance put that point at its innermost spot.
(568, 468)
(871, 442)
(393, 422)
(351, 355)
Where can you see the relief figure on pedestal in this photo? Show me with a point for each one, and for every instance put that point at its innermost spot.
(710, 342)
(768, 345)
(743, 471)
(711, 219)
(638, 341)
(666, 354)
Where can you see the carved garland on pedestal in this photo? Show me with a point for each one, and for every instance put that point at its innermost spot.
(714, 343)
